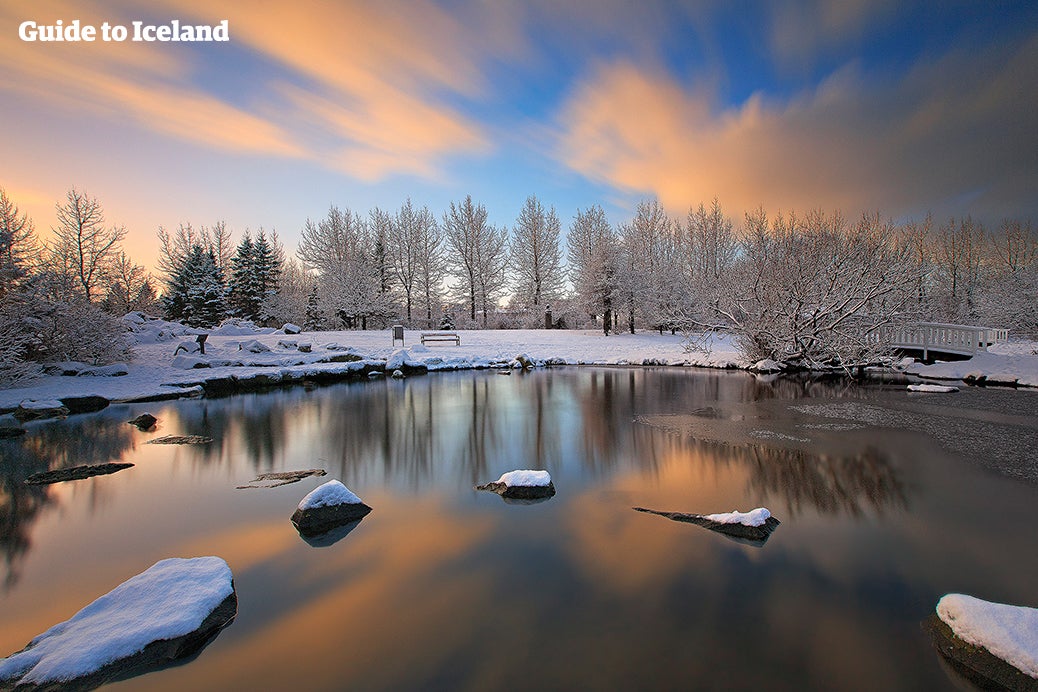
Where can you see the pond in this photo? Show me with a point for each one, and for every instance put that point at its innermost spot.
(886, 502)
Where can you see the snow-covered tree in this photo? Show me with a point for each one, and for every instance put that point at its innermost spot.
(290, 301)
(536, 256)
(477, 254)
(380, 230)
(594, 264)
(83, 248)
(255, 270)
(130, 288)
(196, 294)
(958, 256)
(348, 283)
(816, 291)
(416, 252)
(647, 252)
(19, 248)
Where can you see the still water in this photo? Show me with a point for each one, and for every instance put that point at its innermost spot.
(885, 498)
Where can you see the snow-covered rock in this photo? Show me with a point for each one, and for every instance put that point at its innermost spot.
(753, 527)
(397, 359)
(290, 328)
(755, 517)
(932, 388)
(183, 362)
(994, 640)
(167, 612)
(767, 366)
(112, 370)
(398, 374)
(254, 346)
(326, 507)
(32, 409)
(522, 484)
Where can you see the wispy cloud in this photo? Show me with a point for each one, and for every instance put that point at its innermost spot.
(958, 127)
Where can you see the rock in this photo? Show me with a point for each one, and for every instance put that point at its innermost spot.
(9, 431)
(253, 346)
(989, 644)
(170, 611)
(180, 440)
(290, 328)
(145, 421)
(753, 527)
(189, 362)
(276, 478)
(113, 370)
(305, 348)
(522, 485)
(398, 374)
(68, 368)
(375, 374)
(84, 404)
(75, 473)
(288, 343)
(33, 409)
(524, 361)
(188, 347)
(326, 507)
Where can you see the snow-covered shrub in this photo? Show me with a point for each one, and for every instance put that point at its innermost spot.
(16, 339)
(77, 330)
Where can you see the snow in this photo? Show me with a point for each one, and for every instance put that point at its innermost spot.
(755, 517)
(154, 371)
(932, 388)
(1001, 365)
(1009, 632)
(525, 479)
(40, 404)
(330, 494)
(168, 600)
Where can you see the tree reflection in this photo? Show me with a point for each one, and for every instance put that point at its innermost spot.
(49, 446)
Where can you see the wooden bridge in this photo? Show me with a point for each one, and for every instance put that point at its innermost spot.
(933, 338)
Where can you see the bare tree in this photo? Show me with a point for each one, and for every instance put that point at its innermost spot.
(84, 248)
(816, 292)
(645, 245)
(130, 288)
(958, 256)
(477, 254)
(337, 248)
(593, 260)
(536, 256)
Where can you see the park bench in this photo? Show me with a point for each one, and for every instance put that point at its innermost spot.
(441, 336)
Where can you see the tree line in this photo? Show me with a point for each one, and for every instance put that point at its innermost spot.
(812, 288)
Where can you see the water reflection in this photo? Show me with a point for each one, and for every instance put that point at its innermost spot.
(49, 446)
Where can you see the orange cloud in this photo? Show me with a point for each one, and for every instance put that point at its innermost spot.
(367, 81)
(140, 81)
(951, 134)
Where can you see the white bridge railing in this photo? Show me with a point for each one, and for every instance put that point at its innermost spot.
(944, 338)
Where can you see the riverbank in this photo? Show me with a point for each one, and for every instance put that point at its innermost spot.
(166, 363)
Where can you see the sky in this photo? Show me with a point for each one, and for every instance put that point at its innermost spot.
(893, 106)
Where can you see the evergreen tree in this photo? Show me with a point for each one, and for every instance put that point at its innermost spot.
(196, 293)
(242, 284)
(314, 313)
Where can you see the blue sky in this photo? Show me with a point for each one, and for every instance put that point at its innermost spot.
(898, 107)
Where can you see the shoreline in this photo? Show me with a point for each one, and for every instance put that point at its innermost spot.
(249, 359)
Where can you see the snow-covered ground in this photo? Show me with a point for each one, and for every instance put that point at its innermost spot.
(156, 369)
(166, 360)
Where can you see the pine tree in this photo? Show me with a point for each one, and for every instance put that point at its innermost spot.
(196, 293)
(314, 314)
(241, 286)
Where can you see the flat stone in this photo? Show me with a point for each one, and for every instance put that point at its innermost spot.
(278, 478)
(754, 535)
(75, 473)
(180, 440)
